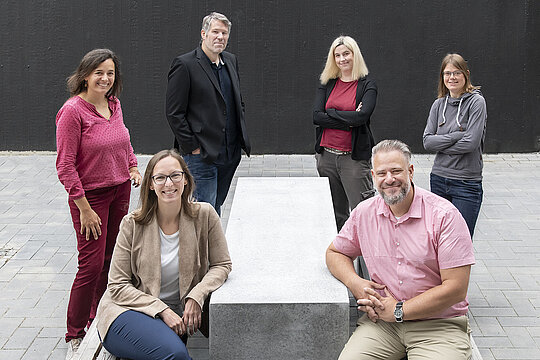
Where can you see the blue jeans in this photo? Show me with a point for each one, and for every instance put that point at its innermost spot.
(137, 336)
(212, 181)
(466, 195)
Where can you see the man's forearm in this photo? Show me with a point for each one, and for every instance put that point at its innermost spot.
(342, 267)
(439, 298)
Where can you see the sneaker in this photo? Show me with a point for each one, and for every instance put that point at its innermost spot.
(105, 355)
(73, 346)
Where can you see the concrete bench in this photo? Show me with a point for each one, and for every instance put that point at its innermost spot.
(280, 301)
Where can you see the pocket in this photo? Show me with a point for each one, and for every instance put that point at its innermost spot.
(471, 187)
(472, 183)
(197, 127)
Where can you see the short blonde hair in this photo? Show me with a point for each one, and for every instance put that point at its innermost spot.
(332, 71)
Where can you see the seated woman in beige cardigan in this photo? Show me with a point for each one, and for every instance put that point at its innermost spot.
(169, 256)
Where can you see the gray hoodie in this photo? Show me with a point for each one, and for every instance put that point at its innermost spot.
(457, 140)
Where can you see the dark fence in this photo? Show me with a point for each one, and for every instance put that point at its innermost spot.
(281, 47)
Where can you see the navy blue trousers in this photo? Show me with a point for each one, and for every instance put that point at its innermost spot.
(137, 336)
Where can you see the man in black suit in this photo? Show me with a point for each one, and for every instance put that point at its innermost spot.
(205, 110)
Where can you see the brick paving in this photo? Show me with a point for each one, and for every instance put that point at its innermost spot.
(38, 254)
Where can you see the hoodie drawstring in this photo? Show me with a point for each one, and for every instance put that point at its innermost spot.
(457, 115)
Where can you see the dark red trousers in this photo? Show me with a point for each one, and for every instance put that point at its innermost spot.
(111, 204)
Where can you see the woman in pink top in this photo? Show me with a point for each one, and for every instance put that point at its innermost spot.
(95, 164)
(342, 112)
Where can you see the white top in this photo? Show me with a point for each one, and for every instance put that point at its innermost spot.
(170, 273)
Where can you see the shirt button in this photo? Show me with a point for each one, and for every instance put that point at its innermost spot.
(223, 130)
(399, 263)
(397, 244)
(400, 282)
(225, 113)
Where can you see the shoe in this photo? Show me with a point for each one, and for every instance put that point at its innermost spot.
(73, 346)
(105, 355)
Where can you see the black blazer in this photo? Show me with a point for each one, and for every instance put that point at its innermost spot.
(356, 121)
(195, 106)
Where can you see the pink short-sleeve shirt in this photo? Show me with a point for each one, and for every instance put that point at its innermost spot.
(407, 254)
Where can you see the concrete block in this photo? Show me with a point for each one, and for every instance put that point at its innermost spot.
(278, 331)
(280, 300)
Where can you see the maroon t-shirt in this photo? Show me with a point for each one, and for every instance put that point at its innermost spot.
(342, 98)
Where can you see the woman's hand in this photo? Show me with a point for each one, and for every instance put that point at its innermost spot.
(192, 316)
(90, 221)
(173, 321)
(135, 176)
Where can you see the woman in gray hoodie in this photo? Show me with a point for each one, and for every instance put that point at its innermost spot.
(455, 130)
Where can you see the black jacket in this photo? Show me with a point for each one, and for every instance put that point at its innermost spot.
(359, 121)
(195, 106)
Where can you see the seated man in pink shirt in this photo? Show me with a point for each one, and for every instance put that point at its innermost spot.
(419, 253)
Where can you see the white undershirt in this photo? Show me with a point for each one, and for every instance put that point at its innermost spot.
(170, 282)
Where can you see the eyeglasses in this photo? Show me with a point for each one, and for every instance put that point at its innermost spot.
(452, 73)
(175, 177)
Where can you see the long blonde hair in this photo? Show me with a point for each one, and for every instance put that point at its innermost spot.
(148, 202)
(332, 71)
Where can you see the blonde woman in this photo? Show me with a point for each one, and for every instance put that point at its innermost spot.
(342, 112)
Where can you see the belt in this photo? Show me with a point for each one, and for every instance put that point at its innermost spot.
(336, 151)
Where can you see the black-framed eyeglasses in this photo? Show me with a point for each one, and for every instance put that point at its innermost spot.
(175, 177)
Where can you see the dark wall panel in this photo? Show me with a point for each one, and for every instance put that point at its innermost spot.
(281, 46)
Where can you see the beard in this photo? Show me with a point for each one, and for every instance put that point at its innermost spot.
(397, 198)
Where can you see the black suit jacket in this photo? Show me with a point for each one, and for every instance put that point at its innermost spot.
(195, 106)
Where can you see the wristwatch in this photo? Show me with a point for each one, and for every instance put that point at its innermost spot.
(398, 312)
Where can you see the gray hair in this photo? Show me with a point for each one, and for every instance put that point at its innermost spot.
(392, 145)
(207, 20)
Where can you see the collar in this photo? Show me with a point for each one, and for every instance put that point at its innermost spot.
(415, 210)
(219, 62)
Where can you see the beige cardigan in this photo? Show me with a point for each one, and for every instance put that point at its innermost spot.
(135, 273)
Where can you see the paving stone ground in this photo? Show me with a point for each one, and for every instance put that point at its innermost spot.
(38, 253)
